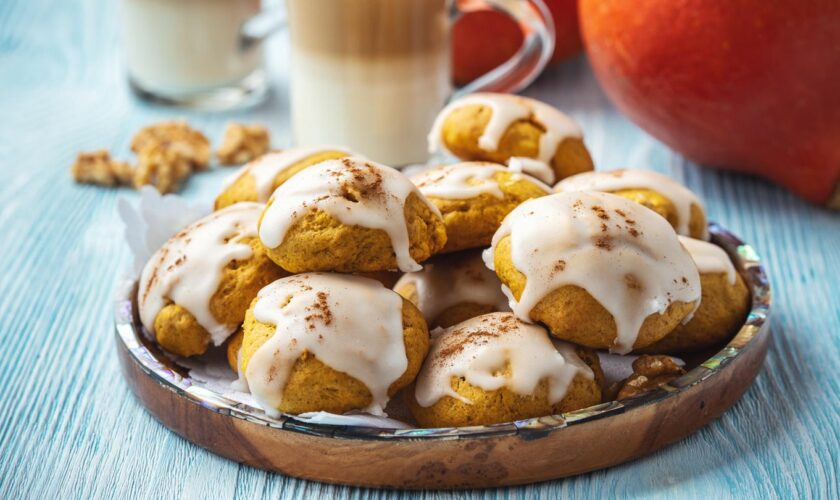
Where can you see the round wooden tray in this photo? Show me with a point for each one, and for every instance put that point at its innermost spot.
(505, 454)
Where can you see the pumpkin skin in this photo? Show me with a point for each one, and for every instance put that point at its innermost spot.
(749, 85)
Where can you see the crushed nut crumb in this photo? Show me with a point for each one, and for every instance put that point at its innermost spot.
(163, 166)
(191, 143)
(97, 167)
(243, 143)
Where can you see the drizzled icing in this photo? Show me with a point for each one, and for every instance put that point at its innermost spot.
(466, 180)
(615, 180)
(187, 270)
(709, 258)
(505, 110)
(479, 349)
(349, 323)
(266, 168)
(454, 279)
(533, 168)
(354, 191)
(624, 255)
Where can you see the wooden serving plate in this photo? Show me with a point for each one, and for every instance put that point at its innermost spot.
(505, 454)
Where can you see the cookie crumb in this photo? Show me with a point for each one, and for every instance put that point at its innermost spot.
(243, 143)
(164, 166)
(97, 167)
(191, 143)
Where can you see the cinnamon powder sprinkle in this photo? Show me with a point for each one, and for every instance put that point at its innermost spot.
(600, 212)
(604, 243)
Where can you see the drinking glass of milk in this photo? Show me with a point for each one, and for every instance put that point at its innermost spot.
(371, 75)
(204, 54)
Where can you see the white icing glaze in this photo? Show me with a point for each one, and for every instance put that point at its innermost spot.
(532, 167)
(266, 168)
(709, 258)
(615, 180)
(478, 350)
(454, 279)
(382, 192)
(187, 269)
(466, 180)
(632, 264)
(506, 109)
(349, 323)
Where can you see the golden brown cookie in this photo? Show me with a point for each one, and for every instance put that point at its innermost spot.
(350, 215)
(453, 288)
(474, 198)
(194, 291)
(312, 329)
(495, 368)
(234, 344)
(498, 127)
(597, 269)
(723, 308)
(259, 178)
(665, 196)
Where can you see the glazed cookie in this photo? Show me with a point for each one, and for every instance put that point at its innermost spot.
(525, 133)
(596, 268)
(723, 307)
(452, 288)
(260, 177)
(474, 198)
(350, 215)
(496, 368)
(195, 289)
(665, 196)
(330, 342)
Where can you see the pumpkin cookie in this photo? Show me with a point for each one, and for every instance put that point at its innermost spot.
(259, 178)
(330, 342)
(474, 198)
(453, 288)
(195, 289)
(725, 303)
(496, 368)
(350, 215)
(665, 196)
(596, 268)
(501, 127)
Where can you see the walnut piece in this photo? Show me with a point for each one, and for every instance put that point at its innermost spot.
(649, 372)
(97, 167)
(191, 144)
(164, 166)
(242, 143)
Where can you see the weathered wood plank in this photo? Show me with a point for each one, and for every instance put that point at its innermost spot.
(69, 426)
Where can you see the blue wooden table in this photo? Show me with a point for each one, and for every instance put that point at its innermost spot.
(69, 426)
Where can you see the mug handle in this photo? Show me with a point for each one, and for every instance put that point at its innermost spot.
(519, 71)
(257, 29)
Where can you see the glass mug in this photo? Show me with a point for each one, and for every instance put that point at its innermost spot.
(204, 54)
(371, 75)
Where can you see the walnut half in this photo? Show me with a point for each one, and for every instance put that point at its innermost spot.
(649, 372)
